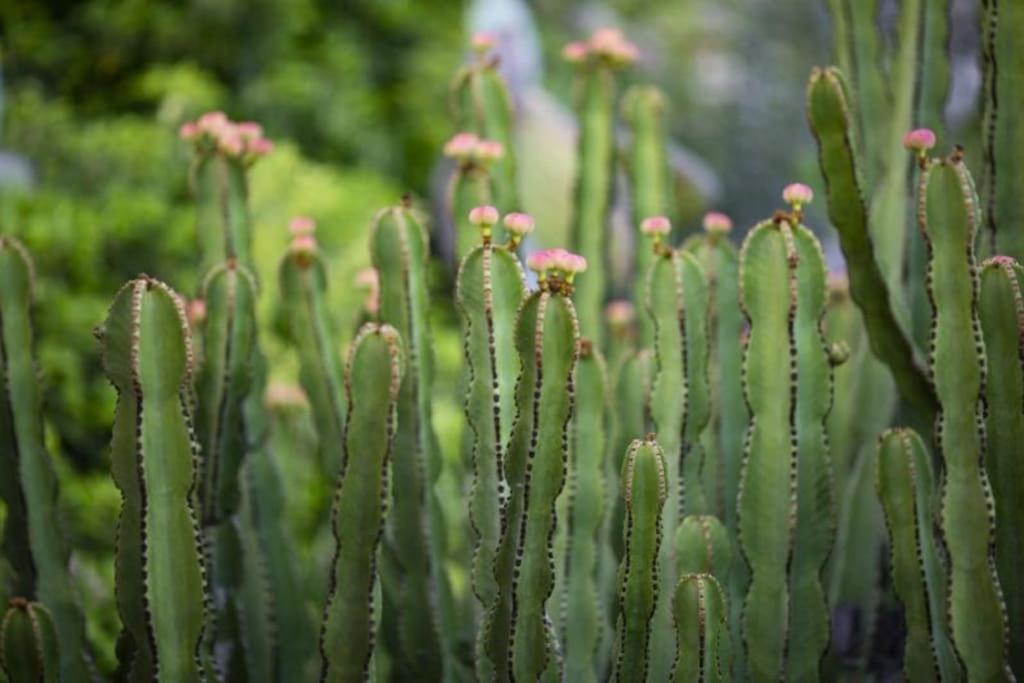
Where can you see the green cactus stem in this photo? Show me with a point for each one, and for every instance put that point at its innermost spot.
(33, 541)
(1001, 312)
(643, 109)
(29, 644)
(147, 356)
(903, 479)
(645, 489)
(949, 217)
(352, 611)
(399, 250)
(584, 617)
(831, 123)
(786, 504)
(703, 546)
(700, 611)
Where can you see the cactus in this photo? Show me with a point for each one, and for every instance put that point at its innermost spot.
(1001, 313)
(948, 215)
(831, 123)
(700, 611)
(903, 479)
(373, 378)
(399, 250)
(643, 109)
(481, 103)
(517, 636)
(471, 185)
(33, 540)
(645, 489)
(703, 546)
(786, 506)
(584, 615)
(596, 62)
(29, 644)
(147, 356)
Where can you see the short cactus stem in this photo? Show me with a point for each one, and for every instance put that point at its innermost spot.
(29, 644)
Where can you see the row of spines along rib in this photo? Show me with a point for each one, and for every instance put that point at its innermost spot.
(33, 539)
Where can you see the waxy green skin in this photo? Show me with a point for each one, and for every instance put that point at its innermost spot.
(584, 617)
(147, 356)
(515, 635)
(1001, 312)
(677, 300)
(831, 122)
(29, 644)
(903, 480)
(33, 540)
(949, 218)
(645, 489)
(643, 109)
(308, 326)
(786, 505)
(489, 290)
(700, 612)
(352, 609)
(399, 250)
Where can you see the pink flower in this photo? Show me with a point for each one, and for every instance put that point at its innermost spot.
(188, 131)
(657, 226)
(489, 150)
(195, 311)
(717, 223)
(483, 41)
(212, 122)
(567, 262)
(461, 145)
(539, 261)
(249, 130)
(620, 312)
(575, 53)
(797, 194)
(518, 224)
(229, 142)
(303, 248)
(301, 225)
(610, 44)
(260, 147)
(919, 140)
(483, 216)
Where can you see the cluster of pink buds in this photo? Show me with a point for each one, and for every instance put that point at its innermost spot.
(607, 45)
(486, 217)
(797, 195)
(468, 148)
(303, 244)
(716, 223)
(556, 266)
(215, 132)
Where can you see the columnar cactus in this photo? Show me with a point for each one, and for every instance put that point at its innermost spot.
(903, 479)
(786, 504)
(147, 356)
(1001, 312)
(703, 546)
(949, 215)
(372, 380)
(29, 644)
(33, 542)
(700, 612)
(596, 62)
(399, 251)
(518, 636)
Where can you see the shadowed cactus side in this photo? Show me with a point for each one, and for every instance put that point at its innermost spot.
(353, 608)
(700, 612)
(29, 644)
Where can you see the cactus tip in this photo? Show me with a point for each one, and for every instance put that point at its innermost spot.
(487, 151)
(461, 146)
(483, 217)
(610, 45)
(797, 195)
(717, 223)
(302, 249)
(656, 226)
(919, 141)
(301, 225)
(483, 41)
(518, 225)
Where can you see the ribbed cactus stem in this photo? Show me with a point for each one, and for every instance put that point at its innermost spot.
(786, 502)
(700, 612)
(147, 356)
(645, 488)
(372, 381)
(1001, 311)
(949, 217)
(703, 546)
(903, 480)
(33, 542)
(29, 644)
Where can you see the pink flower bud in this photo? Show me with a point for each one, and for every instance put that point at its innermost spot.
(483, 41)
(717, 223)
(483, 216)
(212, 122)
(539, 261)
(249, 130)
(260, 147)
(188, 131)
(606, 39)
(195, 311)
(489, 150)
(567, 262)
(229, 142)
(519, 224)
(797, 194)
(1001, 260)
(302, 248)
(656, 225)
(461, 145)
(302, 225)
(575, 53)
(919, 140)
(620, 313)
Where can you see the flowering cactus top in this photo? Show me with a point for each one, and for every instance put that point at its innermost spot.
(518, 224)
(468, 147)
(919, 141)
(656, 226)
(483, 41)
(483, 216)
(797, 195)
(215, 132)
(558, 265)
(303, 249)
(717, 223)
(607, 45)
(302, 225)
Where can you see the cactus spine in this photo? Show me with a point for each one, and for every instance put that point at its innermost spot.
(1001, 312)
(948, 214)
(147, 356)
(33, 540)
(29, 644)
(786, 505)
(352, 610)
(903, 479)
(399, 250)
(645, 489)
(702, 630)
